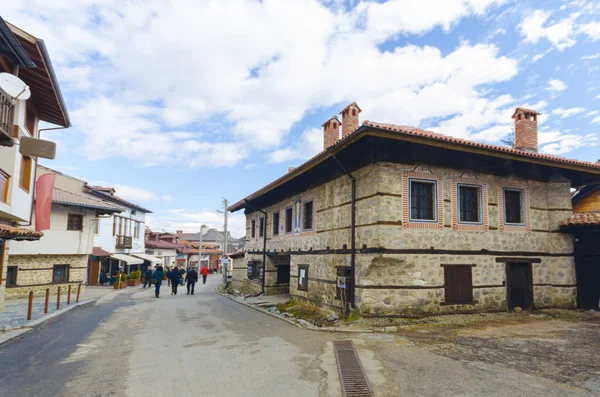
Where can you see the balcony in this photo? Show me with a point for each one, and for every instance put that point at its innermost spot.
(7, 116)
(124, 242)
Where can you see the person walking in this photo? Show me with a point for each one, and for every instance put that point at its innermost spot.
(159, 274)
(204, 271)
(174, 276)
(191, 278)
(148, 277)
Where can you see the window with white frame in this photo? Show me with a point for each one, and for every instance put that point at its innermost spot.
(469, 204)
(514, 206)
(423, 200)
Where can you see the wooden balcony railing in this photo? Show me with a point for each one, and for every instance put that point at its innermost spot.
(124, 242)
(7, 115)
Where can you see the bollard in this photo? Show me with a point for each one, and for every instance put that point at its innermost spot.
(30, 307)
(47, 300)
(78, 291)
(58, 299)
(69, 295)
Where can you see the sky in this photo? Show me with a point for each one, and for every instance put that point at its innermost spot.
(180, 103)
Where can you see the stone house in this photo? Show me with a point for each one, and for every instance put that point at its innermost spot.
(60, 257)
(396, 220)
(25, 57)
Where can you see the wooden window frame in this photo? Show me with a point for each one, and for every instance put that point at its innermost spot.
(470, 181)
(427, 177)
(15, 284)
(68, 271)
(522, 209)
(97, 226)
(525, 205)
(303, 287)
(69, 222)
(434, 209)
(29, 110)
(312, 215)
(276, 216)
(479, 189)
(448, 291)
(114, 225)
(25, 173)
(253, 228)
(291, 219)
(4, 194)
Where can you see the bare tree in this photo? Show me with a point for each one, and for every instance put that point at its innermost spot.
(509, 140)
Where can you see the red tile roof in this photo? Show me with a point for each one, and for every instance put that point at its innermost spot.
(582, 219)
(18, 233)
(97, 251)
(162, 244)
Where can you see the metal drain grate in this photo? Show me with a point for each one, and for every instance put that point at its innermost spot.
(352, 376)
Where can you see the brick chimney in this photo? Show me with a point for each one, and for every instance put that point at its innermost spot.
(350, 119)
(526, 129)
(331, 132)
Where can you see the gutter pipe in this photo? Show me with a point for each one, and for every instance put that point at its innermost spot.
(352, 228)
(264, 261)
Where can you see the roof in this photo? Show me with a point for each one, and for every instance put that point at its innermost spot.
(582, 219)
(10, 46)
(584, 192)
(429, 138)
(330, 119)
(162, 244)
(97, 251)
(186, 250)
(8, 232)
(64, 197)
(525, 110)
(210, 235)
(46, 94)
(352, 104)
(100, 193)
(235, 255)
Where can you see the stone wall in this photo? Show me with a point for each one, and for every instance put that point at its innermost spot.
(398, 263)
(35, 273)
(3, 274)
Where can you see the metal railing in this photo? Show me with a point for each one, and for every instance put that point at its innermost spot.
(7, 114)
(124, 242)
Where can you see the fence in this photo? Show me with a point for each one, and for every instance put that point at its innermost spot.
(47, 299)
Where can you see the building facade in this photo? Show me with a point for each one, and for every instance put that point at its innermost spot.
(394, 220)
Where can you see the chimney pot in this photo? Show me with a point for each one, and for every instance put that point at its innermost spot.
(331, 132)
(526, 129)
(350, 119)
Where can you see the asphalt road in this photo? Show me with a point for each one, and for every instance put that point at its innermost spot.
(131, 344)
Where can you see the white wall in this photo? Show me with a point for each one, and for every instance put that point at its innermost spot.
(169, 256)
(107, 241)
(58, 240)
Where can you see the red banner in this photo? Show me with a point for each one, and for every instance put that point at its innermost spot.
(44, 187)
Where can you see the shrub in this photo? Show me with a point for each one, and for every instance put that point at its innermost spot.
(135, 275)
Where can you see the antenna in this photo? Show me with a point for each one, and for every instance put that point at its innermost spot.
(14, 86)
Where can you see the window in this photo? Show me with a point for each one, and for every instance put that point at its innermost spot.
(11, 276)
(136, 229)
(288, 220)
(253, 227)
(114, 225)
(514, 209)
(254, 268)
(261, 227)
(25, 177)
(276, 223)
(4, 183)
(458, 284)
(307, 216)
(97, 226)
(422, 200)
(30, 120)
(2, 246)
(302, 277)
(60, 273)
(75, 222)
(469, 204)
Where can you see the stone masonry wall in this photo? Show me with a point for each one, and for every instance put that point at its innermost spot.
(398, 264)
(35, 273)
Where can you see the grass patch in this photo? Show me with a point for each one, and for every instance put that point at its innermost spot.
(310, 313)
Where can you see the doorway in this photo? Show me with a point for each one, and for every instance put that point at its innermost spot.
(519, 286)
(94, 272)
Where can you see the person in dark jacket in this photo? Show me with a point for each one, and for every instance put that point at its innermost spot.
(173, 275)
(159, 274)
(182, 273)
(148, 277)
(191, 279)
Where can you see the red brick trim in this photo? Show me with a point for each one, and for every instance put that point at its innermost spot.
(513, 228)
(439, 224)
(469, 227)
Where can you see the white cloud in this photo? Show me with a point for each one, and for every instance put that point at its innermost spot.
(564, 113)
(592, 30)
(556, 85)
(592, 113)
(190, 222)
(309, 143)
(591, 56)
(535, 27)
(557, 143)
(596, 120)
(134, 194)
(597, 97)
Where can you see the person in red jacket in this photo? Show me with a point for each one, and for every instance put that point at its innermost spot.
(204, 271)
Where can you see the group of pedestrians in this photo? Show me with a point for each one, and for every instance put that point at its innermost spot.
(174, 276)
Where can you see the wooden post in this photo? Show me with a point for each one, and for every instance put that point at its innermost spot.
(69, 295)
(30, 307)
(47, 300)
(58, 299)
(78, 291)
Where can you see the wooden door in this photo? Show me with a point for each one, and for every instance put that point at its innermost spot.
(519, 285)
(94, 272)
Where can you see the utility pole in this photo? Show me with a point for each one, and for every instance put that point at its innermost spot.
(225, 267)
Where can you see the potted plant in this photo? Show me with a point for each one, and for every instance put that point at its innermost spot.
(123, 281)
(134, 278)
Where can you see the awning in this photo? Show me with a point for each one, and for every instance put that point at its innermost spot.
(149, 258)
(17, 233)
(130, 260)
(194, 258)
(97, 251)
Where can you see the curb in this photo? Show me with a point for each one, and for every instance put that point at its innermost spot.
(312, 327)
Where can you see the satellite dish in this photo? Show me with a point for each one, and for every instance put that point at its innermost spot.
(14, 86)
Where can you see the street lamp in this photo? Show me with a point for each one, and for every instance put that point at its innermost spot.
(202, 227)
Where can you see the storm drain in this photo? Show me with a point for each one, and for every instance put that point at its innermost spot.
(352, 376)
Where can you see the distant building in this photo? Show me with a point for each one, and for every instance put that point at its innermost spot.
(214, 237)
(163, 246)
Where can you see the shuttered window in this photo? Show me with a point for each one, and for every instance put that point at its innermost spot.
(458, 284)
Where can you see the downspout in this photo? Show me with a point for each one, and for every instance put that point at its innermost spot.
(264, 260)
(352, 228)
(35, 178)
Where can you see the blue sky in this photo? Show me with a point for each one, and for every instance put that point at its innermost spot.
(179, 106)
